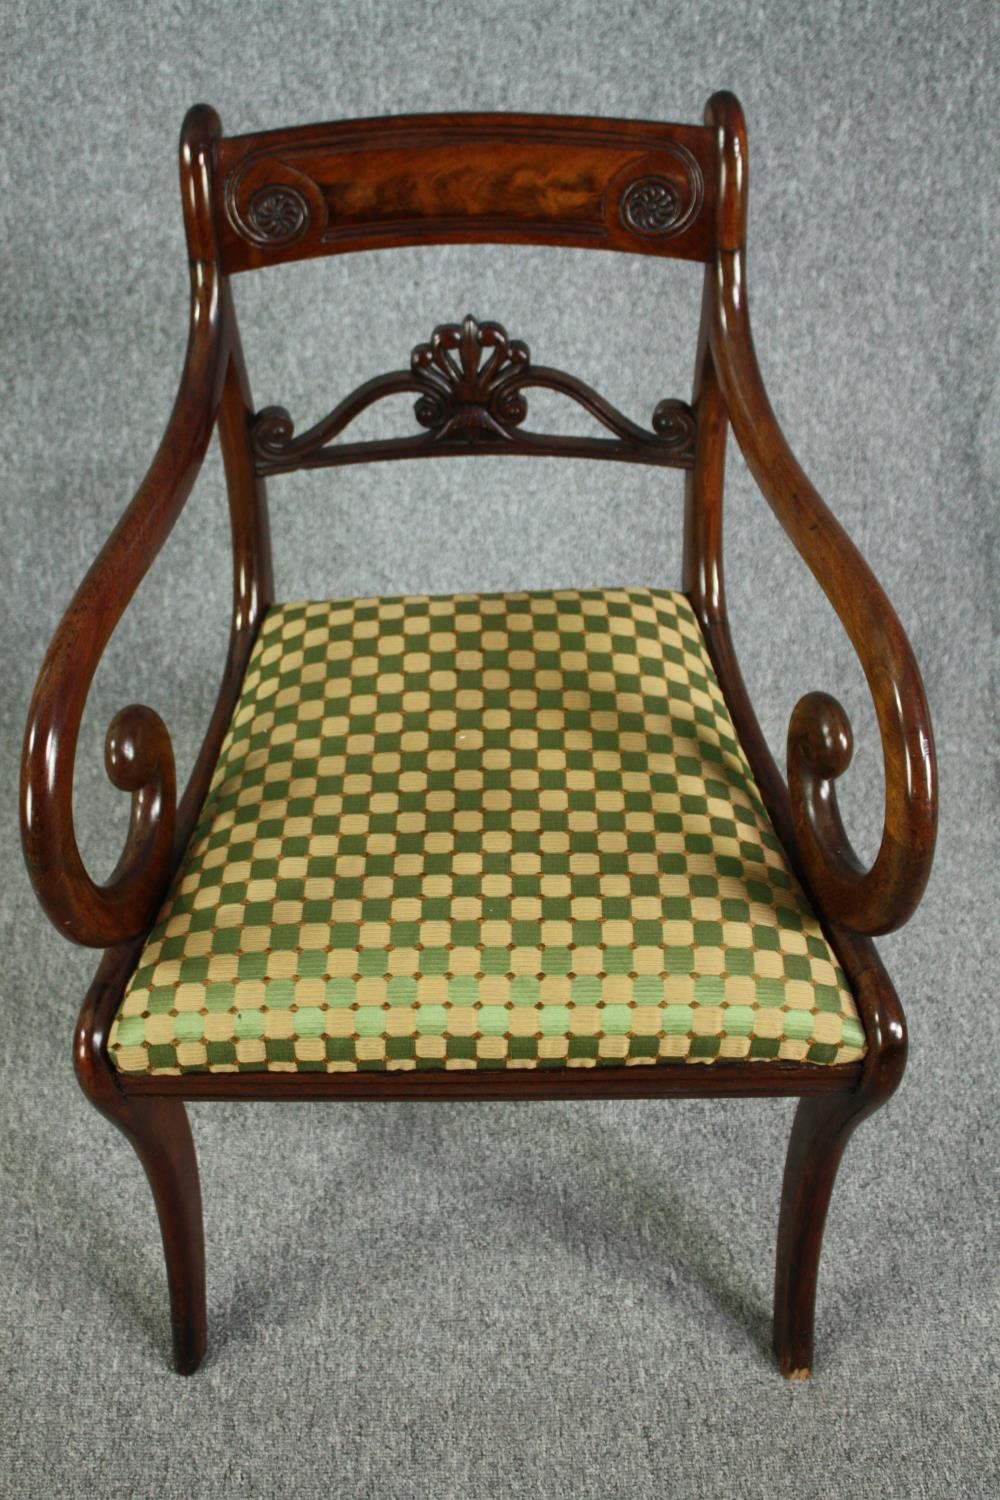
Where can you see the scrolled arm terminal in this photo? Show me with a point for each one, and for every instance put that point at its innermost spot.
(819, 734)
(139, 756)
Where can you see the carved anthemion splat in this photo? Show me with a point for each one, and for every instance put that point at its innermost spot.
(469, 380)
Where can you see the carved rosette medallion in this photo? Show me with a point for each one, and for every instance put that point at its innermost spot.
(656, 205)
(652, 205)
(277, 215)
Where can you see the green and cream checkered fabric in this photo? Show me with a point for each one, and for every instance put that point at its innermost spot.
(482, 832)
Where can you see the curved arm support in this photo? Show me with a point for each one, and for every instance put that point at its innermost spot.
(138, 753)
(819, 734)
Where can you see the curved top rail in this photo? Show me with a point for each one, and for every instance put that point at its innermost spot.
(819, 734)
(601, 184)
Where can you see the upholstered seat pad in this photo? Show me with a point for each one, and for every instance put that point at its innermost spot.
(479, 832)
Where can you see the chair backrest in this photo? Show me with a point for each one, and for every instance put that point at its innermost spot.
(599, 184)
(418, 179)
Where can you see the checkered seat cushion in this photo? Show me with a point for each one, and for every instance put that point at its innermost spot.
(482, 832)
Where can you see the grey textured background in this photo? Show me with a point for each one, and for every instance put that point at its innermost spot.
(551, 1301)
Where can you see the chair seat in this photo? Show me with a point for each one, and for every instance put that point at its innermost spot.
(483, 832)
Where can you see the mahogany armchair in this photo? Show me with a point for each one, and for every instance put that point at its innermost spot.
(529, 846)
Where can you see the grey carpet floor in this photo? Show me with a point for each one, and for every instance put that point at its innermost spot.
(487, 1301)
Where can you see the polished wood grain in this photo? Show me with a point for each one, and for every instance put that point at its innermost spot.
(822, 1126)
(139, 755)
(283, 195)
(820, 1131)
(429, 179)
(159, 1133)
(214, 390)
(881, 898)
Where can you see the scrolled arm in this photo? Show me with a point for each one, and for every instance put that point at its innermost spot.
(138, 753)
(819, 734)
